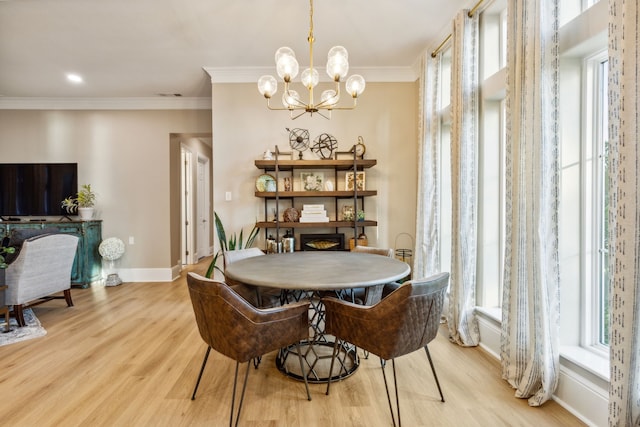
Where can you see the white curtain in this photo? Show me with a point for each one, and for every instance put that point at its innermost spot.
(530, 312)
(463, 325)
(624, 212)
(427, 251)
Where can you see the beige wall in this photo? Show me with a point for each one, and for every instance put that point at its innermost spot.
(130, 156)
(125, 157)
(386, 118)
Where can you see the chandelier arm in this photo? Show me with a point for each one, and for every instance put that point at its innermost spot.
(355, 104)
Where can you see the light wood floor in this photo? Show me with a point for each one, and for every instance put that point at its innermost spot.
(129, 356)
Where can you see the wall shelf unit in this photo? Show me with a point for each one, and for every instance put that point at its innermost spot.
(337, 197)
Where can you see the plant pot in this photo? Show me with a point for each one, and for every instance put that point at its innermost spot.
(85, 214)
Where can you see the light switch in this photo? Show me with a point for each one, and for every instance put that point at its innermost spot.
(227, 196)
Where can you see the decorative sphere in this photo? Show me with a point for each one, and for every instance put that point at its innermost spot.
(324, 145)
(298, 139)
(111, 249)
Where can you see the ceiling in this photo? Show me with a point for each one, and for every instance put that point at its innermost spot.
(148, 48)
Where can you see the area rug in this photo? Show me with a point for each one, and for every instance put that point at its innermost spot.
(32, 329)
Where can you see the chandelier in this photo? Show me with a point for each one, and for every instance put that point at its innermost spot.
(287, 68)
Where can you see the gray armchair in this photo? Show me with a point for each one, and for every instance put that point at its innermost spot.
(41, 269)
(258, 296)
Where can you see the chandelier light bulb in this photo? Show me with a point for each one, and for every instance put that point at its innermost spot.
(329, 97)
(310, 78)
(355, 85)
(290, 98)
(267, 86)
(337, 67)
(337, 51)
(284, 50)
(287, 67)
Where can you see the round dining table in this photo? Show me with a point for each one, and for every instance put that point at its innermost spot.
(312, 275)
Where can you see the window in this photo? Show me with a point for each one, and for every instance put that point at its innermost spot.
(600, 285)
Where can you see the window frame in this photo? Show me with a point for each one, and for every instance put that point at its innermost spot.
(595, 131)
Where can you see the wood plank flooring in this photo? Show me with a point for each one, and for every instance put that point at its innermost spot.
(130, 355)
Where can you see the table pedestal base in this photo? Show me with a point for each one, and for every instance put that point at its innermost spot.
(318, 350)
(316, 357)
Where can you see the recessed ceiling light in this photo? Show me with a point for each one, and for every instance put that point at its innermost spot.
(74, 78)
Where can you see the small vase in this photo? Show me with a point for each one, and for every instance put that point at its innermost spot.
(86, 214)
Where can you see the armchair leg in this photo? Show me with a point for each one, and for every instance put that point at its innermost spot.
(204, 363)
(304, 374)
(233, 398)
(433, 369)
(67, 297)
(386, 386)
(18, 312)
(333, 358)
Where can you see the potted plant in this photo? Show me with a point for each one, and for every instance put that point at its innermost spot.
(4, 251)
(83, 203)
(234, 242)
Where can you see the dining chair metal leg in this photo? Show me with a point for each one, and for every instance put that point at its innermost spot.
(304, 375)
(204, 363)
(333, 358)
(233, 398)
(386, 386)
(433, 369)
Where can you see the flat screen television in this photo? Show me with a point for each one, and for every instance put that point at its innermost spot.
(36, 189)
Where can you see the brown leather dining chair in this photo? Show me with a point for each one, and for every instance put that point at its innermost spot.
(403, 322)
(233, 327)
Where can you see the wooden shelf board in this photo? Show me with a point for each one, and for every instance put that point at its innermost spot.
(287, 165)
(292, 194)
(330, 224)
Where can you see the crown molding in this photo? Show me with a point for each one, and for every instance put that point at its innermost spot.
(219, 75)
(370, 74)
(142, 103)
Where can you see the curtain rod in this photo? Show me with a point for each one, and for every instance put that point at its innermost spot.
(471, 12)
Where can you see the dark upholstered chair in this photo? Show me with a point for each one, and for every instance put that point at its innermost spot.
(372, 294)
(41, 269)
(403, 322)
(258, 296)
(238, 330)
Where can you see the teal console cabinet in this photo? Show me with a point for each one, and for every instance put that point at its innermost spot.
(87, 266)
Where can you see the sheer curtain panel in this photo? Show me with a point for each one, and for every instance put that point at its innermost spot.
(624, 211)
(529, 347)
(463, 325)
(427, 258)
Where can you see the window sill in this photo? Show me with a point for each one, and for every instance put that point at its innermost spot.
(590, 361)
(582, 358)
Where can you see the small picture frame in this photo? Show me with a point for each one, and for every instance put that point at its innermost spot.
(360, 181)
(311, 181)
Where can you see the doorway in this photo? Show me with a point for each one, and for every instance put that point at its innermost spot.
(192, 185)
(203, 208)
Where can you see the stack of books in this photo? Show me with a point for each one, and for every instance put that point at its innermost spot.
(314, 213)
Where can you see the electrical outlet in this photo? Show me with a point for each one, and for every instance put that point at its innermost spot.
(131, 240)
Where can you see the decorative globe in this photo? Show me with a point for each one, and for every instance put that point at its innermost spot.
(111, 249)
(324, 145)
(298, 140)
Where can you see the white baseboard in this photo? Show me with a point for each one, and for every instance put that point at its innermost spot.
(576, 392)
(147, 274)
